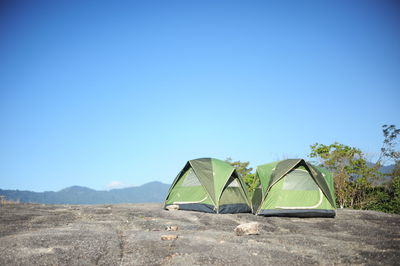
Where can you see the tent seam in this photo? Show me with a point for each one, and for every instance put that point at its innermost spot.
(202, 183)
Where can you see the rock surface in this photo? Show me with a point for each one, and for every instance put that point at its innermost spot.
(130, 234)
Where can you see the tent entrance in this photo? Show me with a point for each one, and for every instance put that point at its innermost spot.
(233, 198)
(233, 193)
(189, 190)
(298, 190)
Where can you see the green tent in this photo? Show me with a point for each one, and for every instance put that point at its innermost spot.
(209, 185)
(293, 187)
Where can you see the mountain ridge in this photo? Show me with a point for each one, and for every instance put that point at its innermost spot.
(150, 192)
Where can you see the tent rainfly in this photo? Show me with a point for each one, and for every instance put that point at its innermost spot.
(209, 185)
(293, 187)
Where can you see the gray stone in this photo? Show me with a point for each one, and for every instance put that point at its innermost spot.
(172, 207)
(169, 237)
(252, 228)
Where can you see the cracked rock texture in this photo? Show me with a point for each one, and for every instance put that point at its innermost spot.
(130, 234)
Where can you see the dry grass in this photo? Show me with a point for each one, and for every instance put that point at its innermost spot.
(4, 201)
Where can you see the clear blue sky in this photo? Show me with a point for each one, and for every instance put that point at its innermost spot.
(95, 92)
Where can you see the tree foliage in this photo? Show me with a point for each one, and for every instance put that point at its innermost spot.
(245, 172)
(359, 184)
(388, 197)
(388, 150)
(352, 175)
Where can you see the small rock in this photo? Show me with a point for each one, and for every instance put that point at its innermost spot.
(172, 207)
(172, 228)
(169, 237)
(248, 229)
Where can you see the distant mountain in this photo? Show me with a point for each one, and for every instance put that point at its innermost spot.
(387, 169)
(150, 192)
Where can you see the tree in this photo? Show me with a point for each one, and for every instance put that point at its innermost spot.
(388, 198)
(388, 151)
(395, 186)
(352, 175)
(245, 172)
(354, 178)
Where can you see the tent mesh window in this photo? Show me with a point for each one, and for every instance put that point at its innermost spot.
(191, 179)
(299, 179)
(234, 183)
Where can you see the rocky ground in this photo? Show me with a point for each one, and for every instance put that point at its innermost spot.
(130, 234)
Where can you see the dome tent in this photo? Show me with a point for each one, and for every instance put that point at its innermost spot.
(293, 187)
(209, 185)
